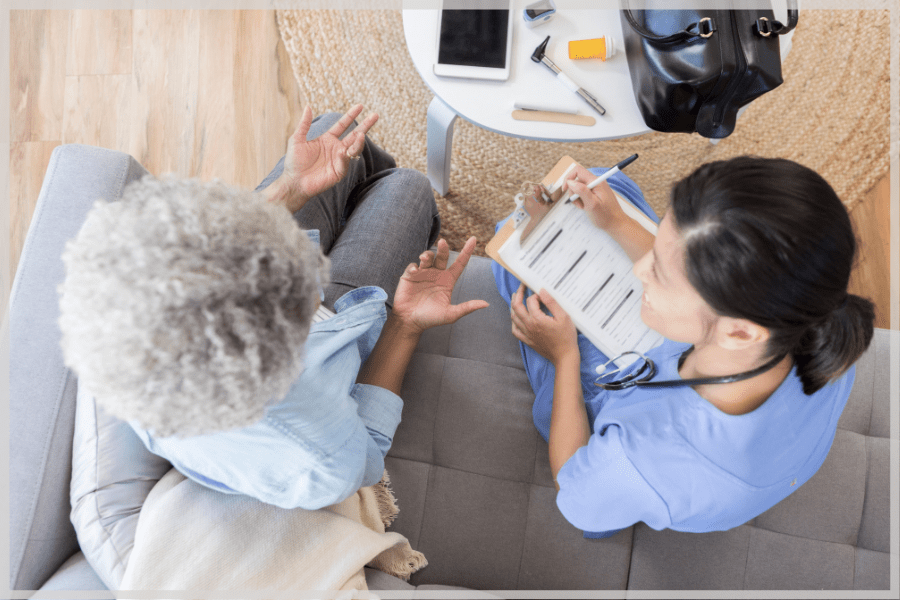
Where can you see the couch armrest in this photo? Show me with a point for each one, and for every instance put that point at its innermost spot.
(42, 391)
(74, 574)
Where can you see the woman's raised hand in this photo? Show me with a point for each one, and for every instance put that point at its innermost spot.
(422, 299)
(313, 166)
(600, 203)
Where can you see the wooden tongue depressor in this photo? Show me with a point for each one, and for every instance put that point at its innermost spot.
(553, 117)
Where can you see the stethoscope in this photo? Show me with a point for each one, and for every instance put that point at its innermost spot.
(648, 370)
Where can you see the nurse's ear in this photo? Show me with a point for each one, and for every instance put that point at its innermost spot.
(739, 334)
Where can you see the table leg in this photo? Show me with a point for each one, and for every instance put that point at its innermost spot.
(440, 143)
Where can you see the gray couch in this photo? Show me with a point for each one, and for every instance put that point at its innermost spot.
(469, 470)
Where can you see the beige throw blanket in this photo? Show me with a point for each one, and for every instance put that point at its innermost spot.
(192, 538)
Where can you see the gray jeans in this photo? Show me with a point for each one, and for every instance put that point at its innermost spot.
(372, 223)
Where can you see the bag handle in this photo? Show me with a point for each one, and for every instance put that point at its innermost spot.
(704, 28)
(765, 27)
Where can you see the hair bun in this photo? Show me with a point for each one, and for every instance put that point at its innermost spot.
(831, 346)
(844, 303)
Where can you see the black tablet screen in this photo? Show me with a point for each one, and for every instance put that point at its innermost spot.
(474, 38)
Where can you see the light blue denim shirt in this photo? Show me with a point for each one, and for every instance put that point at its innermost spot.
(323, 441)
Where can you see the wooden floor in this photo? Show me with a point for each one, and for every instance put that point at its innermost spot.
(204, 94)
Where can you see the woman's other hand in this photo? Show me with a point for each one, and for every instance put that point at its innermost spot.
(553, 336)
(422, 299)
(600, 203)
(313, 166)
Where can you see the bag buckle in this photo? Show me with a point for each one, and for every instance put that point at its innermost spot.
(704, 28)
(763, 27)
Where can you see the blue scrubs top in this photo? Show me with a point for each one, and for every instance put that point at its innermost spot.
(671, 459)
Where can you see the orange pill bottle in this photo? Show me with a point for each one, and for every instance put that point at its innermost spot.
(602, 48)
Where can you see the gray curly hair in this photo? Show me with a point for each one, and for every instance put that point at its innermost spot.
(186, 305)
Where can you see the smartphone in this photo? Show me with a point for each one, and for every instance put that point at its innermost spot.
(474, 44)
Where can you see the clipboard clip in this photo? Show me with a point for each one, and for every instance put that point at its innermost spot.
(532, 205)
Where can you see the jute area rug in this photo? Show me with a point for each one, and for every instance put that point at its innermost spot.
(831, 113)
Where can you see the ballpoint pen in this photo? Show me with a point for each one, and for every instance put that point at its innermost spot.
(607, 175)
(539, 56)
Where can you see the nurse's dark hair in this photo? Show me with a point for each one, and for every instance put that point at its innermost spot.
(769, 240)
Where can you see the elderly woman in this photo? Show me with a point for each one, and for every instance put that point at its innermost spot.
(205, 317)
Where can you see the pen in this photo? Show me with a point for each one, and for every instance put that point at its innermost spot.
(539, 56)
(607, 175)
(568, 109)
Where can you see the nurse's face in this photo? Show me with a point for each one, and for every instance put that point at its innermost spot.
(670, 304)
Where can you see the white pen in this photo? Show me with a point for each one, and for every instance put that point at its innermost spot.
(616, 169)
(544, 106)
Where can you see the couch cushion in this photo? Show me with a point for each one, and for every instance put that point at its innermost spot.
(556, 556)
(414, 438)
(743, 558)
(829, 506)
(776, 561)
(483, 423)
(880, 350)
(379, 580)
(857, 413)
(873, 570)
(875, 527)
(112, 474)
(674, 560)
(42, 391)
(473, 530)
(484, 335)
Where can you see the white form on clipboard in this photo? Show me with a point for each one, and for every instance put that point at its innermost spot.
(586, 272)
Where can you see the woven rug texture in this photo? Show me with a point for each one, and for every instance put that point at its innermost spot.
(832, 114)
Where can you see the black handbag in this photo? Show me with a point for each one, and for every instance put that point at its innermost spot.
(693, 69)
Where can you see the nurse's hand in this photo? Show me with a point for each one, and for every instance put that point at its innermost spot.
(605, 212)
(600, 203)
(553, 336)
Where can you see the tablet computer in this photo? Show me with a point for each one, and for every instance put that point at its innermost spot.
(475, 44)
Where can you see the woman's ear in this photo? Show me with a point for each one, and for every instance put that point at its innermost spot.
(739, 334)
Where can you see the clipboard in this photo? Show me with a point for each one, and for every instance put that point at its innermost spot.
(493, 246)
(589, 302)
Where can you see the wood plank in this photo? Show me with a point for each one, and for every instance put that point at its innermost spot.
(289, 100)
(871, 275)
(268, 109)
(38, 46)
(214, 122)
(99, 42)
(98, 111)
(28, 163)
(164, 89)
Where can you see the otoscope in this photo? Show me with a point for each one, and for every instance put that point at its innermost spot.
(539, 56)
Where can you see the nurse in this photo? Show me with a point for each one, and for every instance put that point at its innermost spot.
(747, 281)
